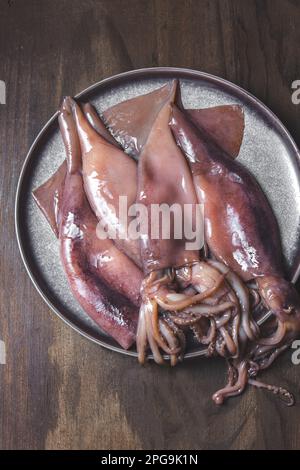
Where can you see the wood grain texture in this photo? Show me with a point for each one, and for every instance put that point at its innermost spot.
(58, 390)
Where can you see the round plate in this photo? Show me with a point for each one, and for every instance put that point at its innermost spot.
(268, 151)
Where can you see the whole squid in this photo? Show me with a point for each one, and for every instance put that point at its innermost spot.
(240, 230)
(108, 173)
(179, 289)
(96, 270)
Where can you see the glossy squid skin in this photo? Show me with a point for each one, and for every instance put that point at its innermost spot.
(240, 227)
(99, 126)
(98, 274)
(224, 125)
(113, 312)
(103, 258)
(48, 196)
(107, 174)
(164, 178)
(131, 121)
(283, 299)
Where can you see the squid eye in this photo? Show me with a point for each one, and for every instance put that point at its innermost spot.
(289, 309)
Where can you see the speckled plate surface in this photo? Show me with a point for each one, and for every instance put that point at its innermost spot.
(268, 151)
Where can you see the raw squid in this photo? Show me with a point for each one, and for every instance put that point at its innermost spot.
(108, 173)
(48, 196)
(236, 210)
(240, 227)
(104, 281)
(130, 122)
(190, 292)
(212, 293)
(206, 278)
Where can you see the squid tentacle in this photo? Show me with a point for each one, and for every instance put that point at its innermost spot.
(242, 293)
(190, 300)
(230, 389)
(285, 395)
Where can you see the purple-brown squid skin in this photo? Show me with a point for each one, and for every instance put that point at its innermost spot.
(49, 195)
(112, 266)
(240, 227)
(164, 178)
(108, 173)
(130, 121)
(95, 121)
(224, 124)
(96, 270)
(113, 312)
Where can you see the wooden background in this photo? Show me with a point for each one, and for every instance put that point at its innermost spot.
(58, 390)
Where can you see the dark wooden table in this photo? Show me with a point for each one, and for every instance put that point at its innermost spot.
(57, 389)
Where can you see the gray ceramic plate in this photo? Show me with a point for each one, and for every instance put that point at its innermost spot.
(268, 151)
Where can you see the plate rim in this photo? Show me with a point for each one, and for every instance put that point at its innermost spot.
(155, 72)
